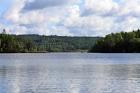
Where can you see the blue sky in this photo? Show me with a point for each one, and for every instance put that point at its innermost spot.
(69, 17)
(4, 4)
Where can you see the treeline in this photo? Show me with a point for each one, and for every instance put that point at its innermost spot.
(37, 43)
(123, 42)
(62, 43)
(13, 44)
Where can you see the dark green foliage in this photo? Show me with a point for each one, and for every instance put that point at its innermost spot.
(13, 44)
(124, 42)
(62, 43)
(37, 43)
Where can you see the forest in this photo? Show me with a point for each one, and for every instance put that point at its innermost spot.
(13, 44)
(61, 43)
(123, 42)
(38, 43)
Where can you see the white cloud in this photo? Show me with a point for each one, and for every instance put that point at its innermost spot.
(90, 17)
(129, 7)
(130, 23)
(13, 13)
(100, 7)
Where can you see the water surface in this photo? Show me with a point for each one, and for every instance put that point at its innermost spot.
(69, 73)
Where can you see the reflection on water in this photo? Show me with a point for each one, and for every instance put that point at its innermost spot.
(69, 73)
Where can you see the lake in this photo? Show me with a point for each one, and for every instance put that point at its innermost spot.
(69, 73)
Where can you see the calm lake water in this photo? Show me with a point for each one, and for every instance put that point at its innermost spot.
(69, 73)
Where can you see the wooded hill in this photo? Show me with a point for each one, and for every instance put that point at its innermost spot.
(37, 43)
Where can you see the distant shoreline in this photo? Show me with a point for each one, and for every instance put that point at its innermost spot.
(45, 52)
(65, 52)
(44, 44)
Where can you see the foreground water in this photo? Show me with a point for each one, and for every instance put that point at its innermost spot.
(70, 73)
